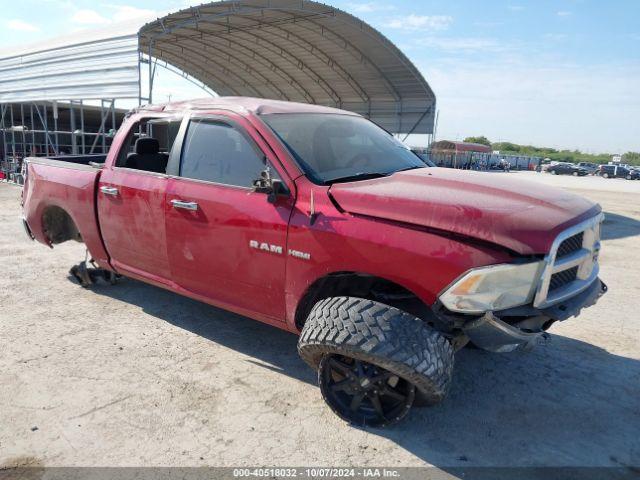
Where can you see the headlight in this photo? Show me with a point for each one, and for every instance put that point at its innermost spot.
(493, 288)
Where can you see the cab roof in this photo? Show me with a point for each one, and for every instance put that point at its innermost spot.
(242, 105)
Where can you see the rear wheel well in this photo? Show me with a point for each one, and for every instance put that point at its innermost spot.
(58, 226)
(370, 287)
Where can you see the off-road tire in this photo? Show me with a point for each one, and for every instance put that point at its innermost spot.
(381, 335)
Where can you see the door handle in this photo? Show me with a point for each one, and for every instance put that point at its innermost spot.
(184, 205)
(109, 190)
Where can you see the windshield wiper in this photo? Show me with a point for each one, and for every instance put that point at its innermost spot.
(411, 168)
(357, 176)
(369, 175)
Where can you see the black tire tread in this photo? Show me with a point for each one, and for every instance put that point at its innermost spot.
(383, 335)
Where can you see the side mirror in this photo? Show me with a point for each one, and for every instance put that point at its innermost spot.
(272, 187)
(278, 190)
(264, 184)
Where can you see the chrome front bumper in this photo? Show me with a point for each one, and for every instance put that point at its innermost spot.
(585, 260)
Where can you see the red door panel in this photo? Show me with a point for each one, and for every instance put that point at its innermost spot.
(212, 248)
(131, 207)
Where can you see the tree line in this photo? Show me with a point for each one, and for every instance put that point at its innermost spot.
(574, 156)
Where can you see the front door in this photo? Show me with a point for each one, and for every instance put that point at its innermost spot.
(227, 243)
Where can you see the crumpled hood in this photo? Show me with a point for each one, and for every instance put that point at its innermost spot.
(494, 207)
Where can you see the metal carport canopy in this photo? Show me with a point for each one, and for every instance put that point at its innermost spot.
(96, 64)
(295, 50)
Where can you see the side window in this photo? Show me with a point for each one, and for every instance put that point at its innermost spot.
(217, 152)
(128, 144)
(165, 132)
(148, 145)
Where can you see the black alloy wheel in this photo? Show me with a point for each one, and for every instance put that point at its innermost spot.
(363, 393)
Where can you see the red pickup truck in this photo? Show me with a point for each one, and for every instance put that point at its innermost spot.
(316, 221)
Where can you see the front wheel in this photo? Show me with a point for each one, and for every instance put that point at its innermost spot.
(374, 360)
(364, 393)
(575, 174)
(553, 172)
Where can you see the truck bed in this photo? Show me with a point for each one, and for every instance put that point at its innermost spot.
(91, 161)
(59, 197)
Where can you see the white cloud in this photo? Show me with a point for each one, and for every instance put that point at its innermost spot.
(461, 44)
(370, 7)
(540, 103)
(112, 13)
(88, 17)
(127, 12)
(556, 36)
(21, 26)
(60, 3)
(487, 24)
(422, 22)
(515, 8)
(563, 13)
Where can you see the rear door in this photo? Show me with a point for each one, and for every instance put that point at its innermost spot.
(227, 243)
(131, 205)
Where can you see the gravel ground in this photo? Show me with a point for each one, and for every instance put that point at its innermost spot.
(133, 375)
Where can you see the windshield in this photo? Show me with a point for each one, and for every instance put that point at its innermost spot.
(332, 147)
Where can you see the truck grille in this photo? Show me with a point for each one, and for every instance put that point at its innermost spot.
(571, 245)
(571, 265)
(560, 279)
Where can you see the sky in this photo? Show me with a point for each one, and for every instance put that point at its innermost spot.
(557, 73)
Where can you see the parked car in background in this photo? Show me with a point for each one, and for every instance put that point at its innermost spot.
(547, 164)
(615, 171)
(567, 169)
(544, 165)
(592, 168)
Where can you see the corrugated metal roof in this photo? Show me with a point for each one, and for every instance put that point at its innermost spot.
(87, 65)
(292, 50)
(295, 50)
(100, 69)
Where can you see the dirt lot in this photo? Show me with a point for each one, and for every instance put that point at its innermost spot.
(133, 375)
